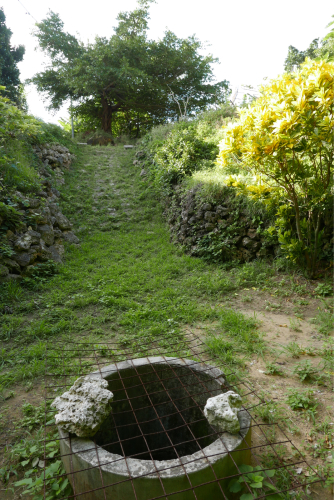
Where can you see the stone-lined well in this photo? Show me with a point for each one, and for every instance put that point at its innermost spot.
(158, 404)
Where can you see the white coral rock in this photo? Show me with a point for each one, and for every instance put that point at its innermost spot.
(222, 412)
(83, 408)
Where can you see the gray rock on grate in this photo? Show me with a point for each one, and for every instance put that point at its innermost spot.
(83, 408)
(222, 412)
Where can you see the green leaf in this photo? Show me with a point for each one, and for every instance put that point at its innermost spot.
(269, 473)
(52, 468)
(64, 484)
(234, 488)
(269, 485)
(248, 496)
(245, 468)
(25, 462)
(51, 444)
(52, 454)
(258, 479)
(256, 485)
(23, 482)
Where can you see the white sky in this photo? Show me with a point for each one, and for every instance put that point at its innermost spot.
(250, 37)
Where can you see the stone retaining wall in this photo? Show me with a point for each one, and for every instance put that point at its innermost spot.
(192, 219)
(42, 229)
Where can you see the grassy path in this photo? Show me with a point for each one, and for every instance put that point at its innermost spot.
(125, 281)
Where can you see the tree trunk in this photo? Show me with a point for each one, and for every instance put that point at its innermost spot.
(106, 115)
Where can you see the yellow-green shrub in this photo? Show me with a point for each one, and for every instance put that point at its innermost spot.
(287, 137)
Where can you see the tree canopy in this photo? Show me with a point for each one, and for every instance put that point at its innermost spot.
(317, 49)
(9, 57)
(126, 77)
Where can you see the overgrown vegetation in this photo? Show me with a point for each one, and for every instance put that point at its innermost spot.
(125, 283)
(274, 167)
(20, 169)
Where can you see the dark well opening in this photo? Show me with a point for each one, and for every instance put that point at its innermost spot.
(156, 412)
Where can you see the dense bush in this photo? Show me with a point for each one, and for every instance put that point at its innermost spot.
(236, 179)
(18, 163)
(286, 139)
(182, 154)
(177, 150)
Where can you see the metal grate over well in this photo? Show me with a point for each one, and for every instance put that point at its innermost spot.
(156, 442)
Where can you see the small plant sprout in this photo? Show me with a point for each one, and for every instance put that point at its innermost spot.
(294, 349)
(324, 290)
(254, 480)
(294, 325)
(305, 371)
(273, 369)
(301, 399)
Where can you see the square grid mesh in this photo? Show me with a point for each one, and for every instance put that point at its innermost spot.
(157, 415)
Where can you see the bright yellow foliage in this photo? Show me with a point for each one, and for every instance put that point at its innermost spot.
(287, 136)
(293, 118)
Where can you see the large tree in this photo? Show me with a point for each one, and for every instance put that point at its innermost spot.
(126, 74)
(9, 57)
(323, 49)
(296, 57)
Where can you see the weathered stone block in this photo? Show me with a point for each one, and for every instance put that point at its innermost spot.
(59, 248)
(209, 216)
(44, 252)
(246, 254)
(23, 242)
(252, 234)
(222, 211)
(35, 237)
(222, 412)
(12, 265)
(83, 408)
(47, 234)
(54, 254)
(70, 237)
(23, 259)
(62, 221)
(4, 271)
(34, 202)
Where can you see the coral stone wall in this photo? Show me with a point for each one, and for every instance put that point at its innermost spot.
(42, 228)
(197, 224)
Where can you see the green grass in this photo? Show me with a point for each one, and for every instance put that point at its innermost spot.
(125, 282)
(325, 322)
(237, 340)
(125, 278)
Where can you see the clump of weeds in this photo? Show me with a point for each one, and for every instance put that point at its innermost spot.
(274, 369)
